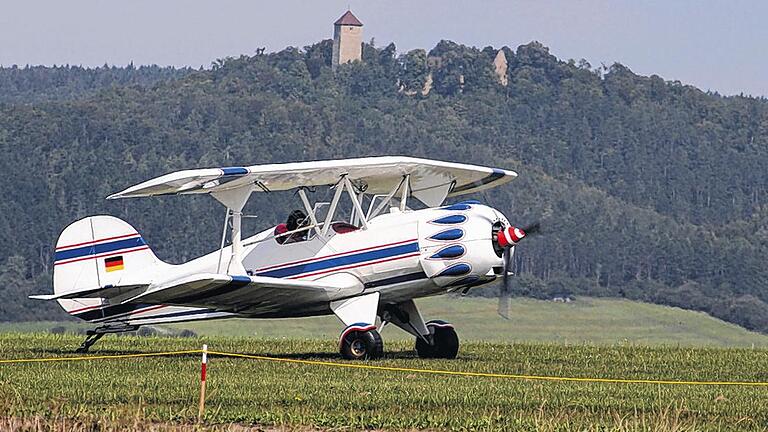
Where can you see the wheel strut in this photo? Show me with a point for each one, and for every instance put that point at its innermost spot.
(91, 339)
(94, 335)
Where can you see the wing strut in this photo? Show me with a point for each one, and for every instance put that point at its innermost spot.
(355, 202)
(223, 241)
(332, 208)
(310, 211)
(234, 200)
(404, 197)
(387, 199)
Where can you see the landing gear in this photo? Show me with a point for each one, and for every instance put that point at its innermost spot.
(445, 341)
(91, 339)
(361, 343)
(434, 339)
(361, 340)
(94, 335)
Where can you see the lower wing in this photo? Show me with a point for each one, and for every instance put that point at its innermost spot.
(219, 292)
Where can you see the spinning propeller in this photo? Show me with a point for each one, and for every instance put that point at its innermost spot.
(506, 239)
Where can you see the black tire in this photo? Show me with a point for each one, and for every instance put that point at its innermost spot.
(362, 345)
(446, 342)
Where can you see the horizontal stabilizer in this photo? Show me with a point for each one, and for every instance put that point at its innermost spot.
(44, 297)
(108, 291)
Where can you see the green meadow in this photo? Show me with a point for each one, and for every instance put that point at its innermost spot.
(585, 320)
(142, 392)
(588, 338)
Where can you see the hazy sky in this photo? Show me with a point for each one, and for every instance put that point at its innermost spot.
(717, 45)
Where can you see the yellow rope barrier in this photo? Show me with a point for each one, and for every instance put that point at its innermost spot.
(98, 357)
(397, 369)
(490, 375)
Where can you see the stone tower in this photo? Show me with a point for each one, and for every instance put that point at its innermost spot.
(347, 39)
(500, 66)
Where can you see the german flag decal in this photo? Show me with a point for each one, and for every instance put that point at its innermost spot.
(114, 263)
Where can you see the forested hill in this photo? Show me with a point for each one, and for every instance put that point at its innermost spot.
(32, 84)
(646, 189)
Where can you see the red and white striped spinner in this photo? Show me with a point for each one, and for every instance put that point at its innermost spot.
(509, 237)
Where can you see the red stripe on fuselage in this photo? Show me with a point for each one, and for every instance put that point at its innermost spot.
(154, 308)
(97, 241)
(130, 315)
(84, 309)
(332, 255)
(356, 265)
(117, 252)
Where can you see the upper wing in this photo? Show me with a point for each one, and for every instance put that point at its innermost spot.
(430, 181)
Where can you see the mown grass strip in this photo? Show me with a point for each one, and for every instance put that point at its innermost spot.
(165, 389)
(396, 369)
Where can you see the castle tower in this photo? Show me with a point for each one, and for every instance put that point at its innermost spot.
(347, 39)
(500, 65)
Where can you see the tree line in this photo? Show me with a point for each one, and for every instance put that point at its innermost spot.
(646, 189)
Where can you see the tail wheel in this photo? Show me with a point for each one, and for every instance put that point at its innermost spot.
(445, 341)
(361, 345)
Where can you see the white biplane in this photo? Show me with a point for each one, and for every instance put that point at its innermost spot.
(372, 264)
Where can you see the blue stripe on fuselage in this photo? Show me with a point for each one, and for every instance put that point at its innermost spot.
(188, 314)
(341, 261)
(100, 248)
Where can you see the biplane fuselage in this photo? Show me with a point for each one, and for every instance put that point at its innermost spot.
(402, 256)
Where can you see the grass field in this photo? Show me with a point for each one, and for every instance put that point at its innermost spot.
(586, 338)
(597, 321)
(142, 392)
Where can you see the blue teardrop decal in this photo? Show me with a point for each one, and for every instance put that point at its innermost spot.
(458, 206)
(449, 252)
(448, 235)
(456, 270)
(450, 220)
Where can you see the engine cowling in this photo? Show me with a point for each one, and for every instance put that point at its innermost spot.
(454, 242)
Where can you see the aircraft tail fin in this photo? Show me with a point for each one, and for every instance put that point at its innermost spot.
(98, 252)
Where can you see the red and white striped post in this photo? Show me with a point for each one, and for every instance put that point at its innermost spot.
(203, 366)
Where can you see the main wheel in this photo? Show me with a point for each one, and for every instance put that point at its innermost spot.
(360, 345)
(445, 341)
